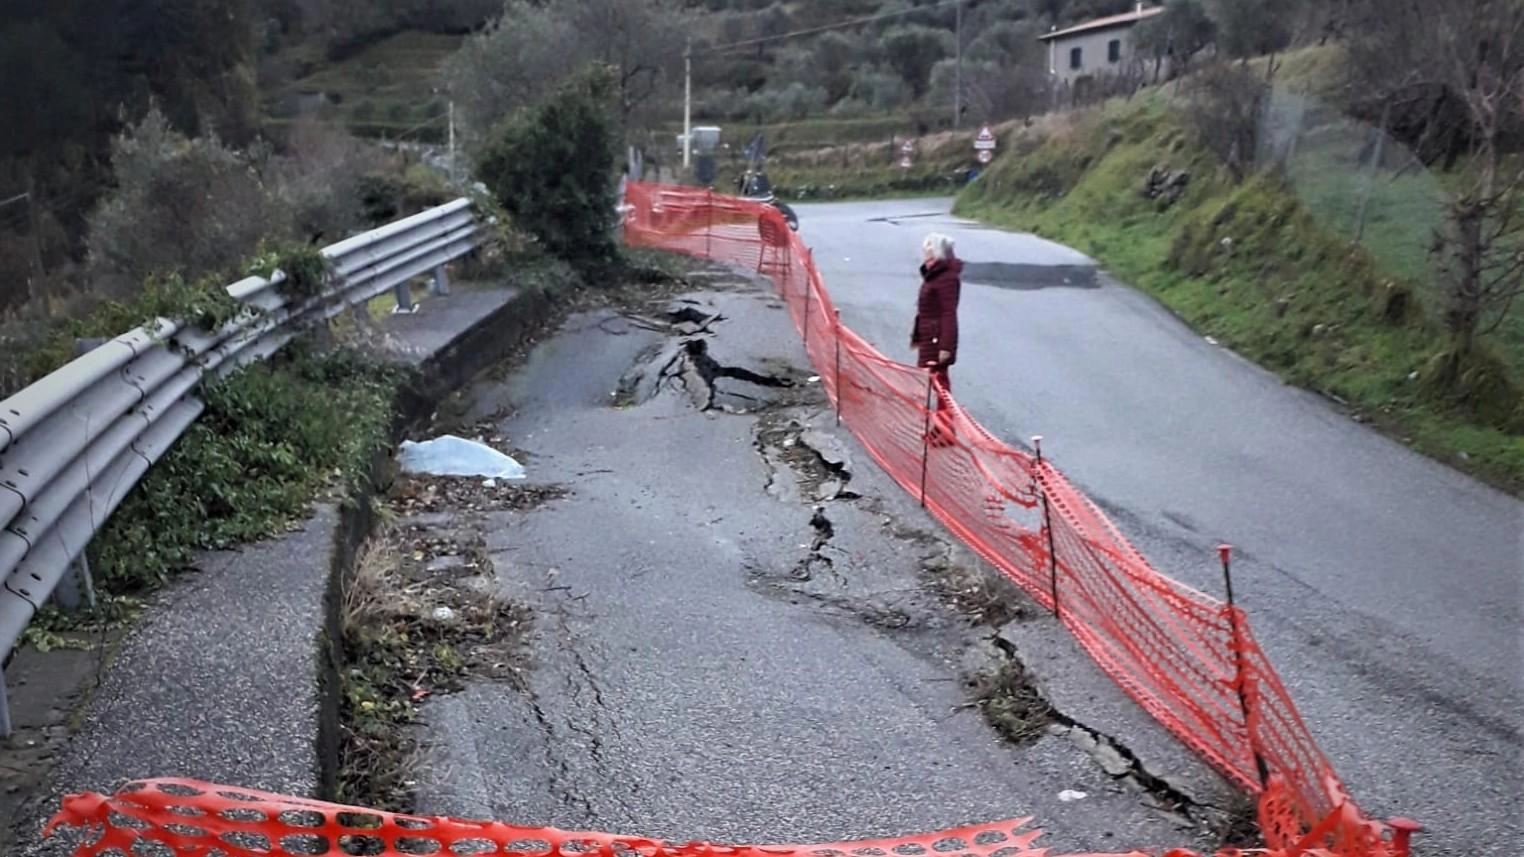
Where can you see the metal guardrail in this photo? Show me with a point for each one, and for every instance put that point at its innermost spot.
(74, 444)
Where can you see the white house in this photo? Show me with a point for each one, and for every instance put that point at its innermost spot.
(1096, 48)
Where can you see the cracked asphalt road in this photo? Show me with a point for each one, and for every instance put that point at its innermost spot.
(1386, 588)
(732, 637)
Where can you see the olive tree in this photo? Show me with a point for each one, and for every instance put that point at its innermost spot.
(532, 48)
(1178, 35)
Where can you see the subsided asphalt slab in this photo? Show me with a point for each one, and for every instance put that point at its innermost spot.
(687, 681)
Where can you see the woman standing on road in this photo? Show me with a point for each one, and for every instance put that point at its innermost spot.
(935, 335)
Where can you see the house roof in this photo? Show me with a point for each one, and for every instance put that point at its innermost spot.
(1124, 20)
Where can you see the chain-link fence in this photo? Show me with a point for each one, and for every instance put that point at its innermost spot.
(1362, 184)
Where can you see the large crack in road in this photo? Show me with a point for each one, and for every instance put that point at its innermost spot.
(741, 634)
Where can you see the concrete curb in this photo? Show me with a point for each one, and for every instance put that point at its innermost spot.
(468, 353)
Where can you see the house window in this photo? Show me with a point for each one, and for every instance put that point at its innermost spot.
(1114, 50)
(1075, 60)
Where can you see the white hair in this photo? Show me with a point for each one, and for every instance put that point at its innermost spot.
(937, 246)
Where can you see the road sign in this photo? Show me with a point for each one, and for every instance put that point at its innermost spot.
(906, 153)
(986, 140)
(985, 156)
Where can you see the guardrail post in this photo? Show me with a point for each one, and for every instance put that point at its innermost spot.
(1047, 524)
(75, 589)
(441, 281)
(404, 294)
(85, 346)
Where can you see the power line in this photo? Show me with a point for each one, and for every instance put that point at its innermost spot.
(61, 203)
(421, 125)
(71, 198)
(352, 123)
(840, 25)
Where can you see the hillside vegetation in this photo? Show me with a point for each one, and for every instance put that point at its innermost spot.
(863, 162)
(390, 88)
(1267, 263)
(1348, 216)
(250, 72)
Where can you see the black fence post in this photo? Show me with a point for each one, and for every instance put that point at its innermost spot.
(1241, 684)
(926, 434)
(1047, 524)
(836, 330)
(807, 302)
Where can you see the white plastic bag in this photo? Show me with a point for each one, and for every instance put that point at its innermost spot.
(455, 456)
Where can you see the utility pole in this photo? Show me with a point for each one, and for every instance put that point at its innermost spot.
(958, 78)
(453, 177)
(687, 102)
(34, 227)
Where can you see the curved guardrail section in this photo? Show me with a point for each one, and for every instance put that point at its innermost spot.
(74, 444)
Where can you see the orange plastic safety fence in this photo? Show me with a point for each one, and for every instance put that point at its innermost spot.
(195, 819)
(1186, 658)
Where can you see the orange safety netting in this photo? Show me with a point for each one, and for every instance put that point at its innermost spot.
(196, 819)
(1186, 658)
(201, 819)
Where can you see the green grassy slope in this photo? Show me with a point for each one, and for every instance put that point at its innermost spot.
(1260, 267)
(851, 158)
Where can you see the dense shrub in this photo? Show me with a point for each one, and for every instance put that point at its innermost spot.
(550, 166)
(271, 437)
(181, 206)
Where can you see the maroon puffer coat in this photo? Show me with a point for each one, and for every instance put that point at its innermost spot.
(936, 312)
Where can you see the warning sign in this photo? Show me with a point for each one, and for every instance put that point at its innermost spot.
(985, 156)
(906, 153)
(985, 142)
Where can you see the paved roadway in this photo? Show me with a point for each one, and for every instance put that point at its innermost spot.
(711, 663)
(1386, 588)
